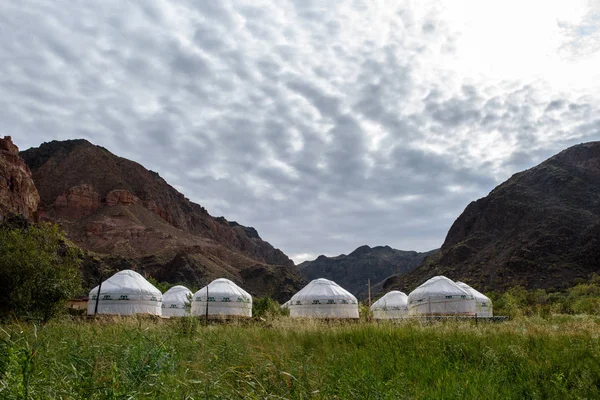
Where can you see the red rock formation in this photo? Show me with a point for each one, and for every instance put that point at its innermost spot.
(80, 202)
(164, 214)
(18, 194)
(119, 196)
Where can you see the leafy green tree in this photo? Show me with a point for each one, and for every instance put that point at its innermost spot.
(39, 271)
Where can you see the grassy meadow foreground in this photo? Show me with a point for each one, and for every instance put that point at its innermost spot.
(527, 358)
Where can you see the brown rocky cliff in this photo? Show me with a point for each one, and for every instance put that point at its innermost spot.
(117, 208)
(18, 194)
(58, 167)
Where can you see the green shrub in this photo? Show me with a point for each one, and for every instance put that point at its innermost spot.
(266, 307)
(39, 271)
(162, 286)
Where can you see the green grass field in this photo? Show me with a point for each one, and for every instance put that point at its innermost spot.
(527, 358)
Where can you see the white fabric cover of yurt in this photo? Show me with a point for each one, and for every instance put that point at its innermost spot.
(285, 305)
(126, 293)
(440, 296)
(391, 306)
(225, 299)
(323, 298)
(483, 304)
(175, 302)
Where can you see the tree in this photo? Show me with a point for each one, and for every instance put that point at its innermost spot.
(39, 271)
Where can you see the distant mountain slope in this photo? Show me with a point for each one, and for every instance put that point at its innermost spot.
(114, 206)
(353, 270)
(539, 229)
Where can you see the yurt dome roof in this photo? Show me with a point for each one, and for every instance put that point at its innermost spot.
(224, 288)
(322, 289)
(438, 287)
(476, 294)
(128, 283)
(125, 293)
(176, 295)
(393, 300)
(225, 299)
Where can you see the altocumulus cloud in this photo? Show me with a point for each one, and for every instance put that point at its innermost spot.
(326, 125)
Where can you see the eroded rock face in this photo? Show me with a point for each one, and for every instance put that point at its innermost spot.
(80, 202)
(120, 196)
(18, 194)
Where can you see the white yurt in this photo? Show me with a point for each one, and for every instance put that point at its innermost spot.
(285, 305)
(391, 306)
(323, 298)
(176, 302)
(483, 304)
(225, 299)
(126, 293)
(440, 296)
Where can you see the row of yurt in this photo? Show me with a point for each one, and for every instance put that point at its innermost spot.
(439, 296)
(128, 293)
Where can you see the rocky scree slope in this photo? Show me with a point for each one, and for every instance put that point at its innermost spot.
(539, 229)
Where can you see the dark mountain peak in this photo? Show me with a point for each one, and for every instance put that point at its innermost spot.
(539, 229)
(360, 251)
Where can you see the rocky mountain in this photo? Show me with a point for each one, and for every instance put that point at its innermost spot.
(539, 229)
(130, 216)
(353, 270)
(18, 195)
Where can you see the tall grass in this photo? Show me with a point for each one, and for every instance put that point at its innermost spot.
(528, 358)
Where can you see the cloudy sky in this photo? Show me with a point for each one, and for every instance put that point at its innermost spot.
(324, 124)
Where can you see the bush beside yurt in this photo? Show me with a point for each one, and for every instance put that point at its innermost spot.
(125, 293)
(225, 299)
(176, 302)
(393, 305)
(323, 298)
(483, 304)
(441, 296)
